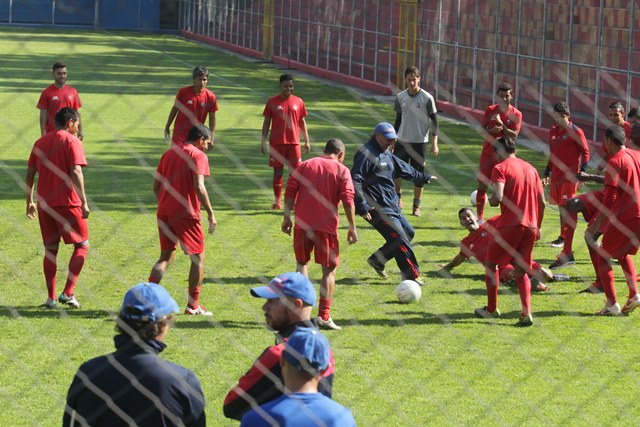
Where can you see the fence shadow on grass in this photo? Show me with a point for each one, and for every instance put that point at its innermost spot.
(208, 323)
(14, 312)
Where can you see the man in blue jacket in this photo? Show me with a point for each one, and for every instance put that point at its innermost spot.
(373, 173)
(133, 386)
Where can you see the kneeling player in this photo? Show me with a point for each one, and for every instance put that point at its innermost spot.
(476, 244)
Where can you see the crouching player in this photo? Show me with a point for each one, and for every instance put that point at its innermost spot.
(476, 244)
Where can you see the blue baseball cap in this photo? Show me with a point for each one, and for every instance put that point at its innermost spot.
(308, 350)
(386, 130)
(294, 285)
(147, 302)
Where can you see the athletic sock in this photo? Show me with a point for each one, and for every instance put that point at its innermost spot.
(416, 203)
(194, 296)
(605, 273)
(76, 263)
(49, 266)
(491, 281)
(277, 185)
(629, 271)
(524, 288)
(568, 231)
(324, 308)
(480, 201)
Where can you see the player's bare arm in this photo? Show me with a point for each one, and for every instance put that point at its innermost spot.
(172, 115)
(586, 177)
(29, 183)
(266, 124)
(305, 134)
(78, 182)
(44, 114)
(352, 234)
(286, 220)
(201, 192)
(212, 125)
(497, 195)
(434, 135)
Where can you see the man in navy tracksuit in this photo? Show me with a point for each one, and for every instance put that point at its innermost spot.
(133, 385)
(373, 173)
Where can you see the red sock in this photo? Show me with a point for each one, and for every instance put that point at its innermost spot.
(324, 308)
(152, 279)
(194, 295)
(480, 201)
(277, 184)
(630, 275)
(491, 281)
(593, 254)
(49, 266)
(568, 230)
(75, 267)
(524, 288)
(606, 278)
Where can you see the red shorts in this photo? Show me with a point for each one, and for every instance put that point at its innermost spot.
(324, 245)
(512, 245)
(621, 240)
(186, 231)
(487, 162)
(285, 155)
(64, 222)
(560, 193)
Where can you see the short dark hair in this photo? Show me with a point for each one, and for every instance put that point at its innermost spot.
(508, 144)
(617, 105)
(461, 211)
(197, 132)
(64, 115)
(504, 87)
(412, 70)
(633, 113)
(286, 78)
(58, 65)
(616, 135)
(334, 146)
(562, 108)
(200, 71)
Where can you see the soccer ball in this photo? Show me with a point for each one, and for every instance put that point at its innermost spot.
(408, 291)
(474, 196)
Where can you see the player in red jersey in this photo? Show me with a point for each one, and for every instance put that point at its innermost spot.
(501, 119)
(58, 159)
(284, 114)
(180, 190)
(569, 154)
(320, 184)
(55, 97)
(517, 189)
(622, 235)
(476, 245)
(191, 107)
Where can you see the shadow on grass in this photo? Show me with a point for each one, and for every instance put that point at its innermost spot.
(48, 313)
(201, 322)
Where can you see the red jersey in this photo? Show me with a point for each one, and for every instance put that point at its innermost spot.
(192, 110)
(476, 244)
(568, 151)
(622, 185)
(53, 99)
(522, 189)
(54, 156)
(320, 184)
(512, 119)
(177, 168)
(286, 119)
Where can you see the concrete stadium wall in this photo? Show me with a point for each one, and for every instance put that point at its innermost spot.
(585, 52)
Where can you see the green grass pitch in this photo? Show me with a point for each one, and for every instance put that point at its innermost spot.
(430, 363)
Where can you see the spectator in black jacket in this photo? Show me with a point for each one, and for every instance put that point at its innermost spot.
(374, 170)
(290, 300)
(133, 386)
